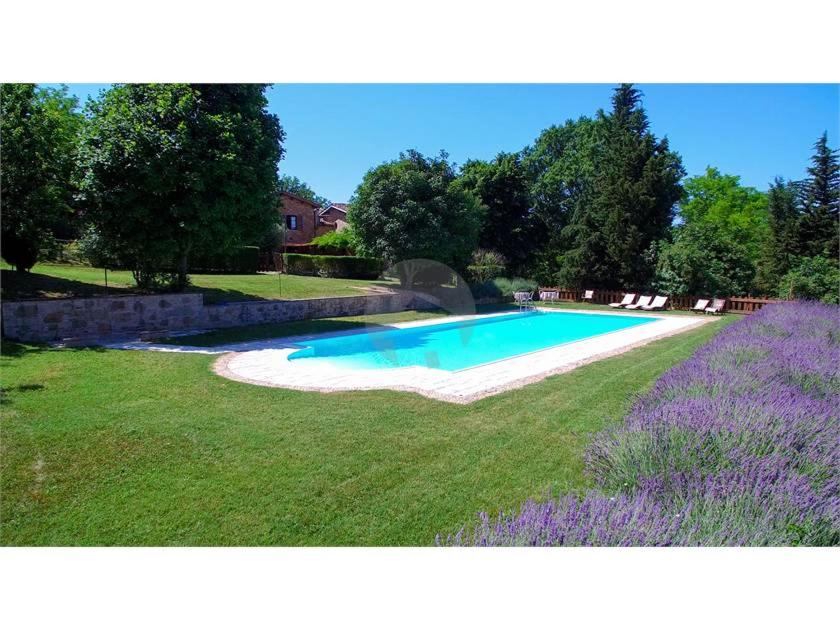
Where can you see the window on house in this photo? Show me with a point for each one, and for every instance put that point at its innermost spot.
(291, 222)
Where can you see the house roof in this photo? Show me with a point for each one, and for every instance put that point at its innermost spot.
(299, 198)
(341, 207)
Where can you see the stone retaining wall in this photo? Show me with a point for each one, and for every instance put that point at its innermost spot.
(121, 316)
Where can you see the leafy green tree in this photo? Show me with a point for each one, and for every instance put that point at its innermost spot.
(510, 227)
(739, 211)
(415, 207)
(291, 184)
(629, 204)
(812, 278)
(38, 129)
(561, 167)
(703, 259)
(781, 244)
(819, 229)
(176, 170)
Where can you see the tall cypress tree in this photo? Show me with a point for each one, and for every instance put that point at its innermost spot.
(819, 228)
(631, 205)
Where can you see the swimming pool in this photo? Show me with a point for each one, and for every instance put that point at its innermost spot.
(458, 345)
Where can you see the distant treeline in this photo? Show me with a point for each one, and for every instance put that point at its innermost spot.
(155, 178)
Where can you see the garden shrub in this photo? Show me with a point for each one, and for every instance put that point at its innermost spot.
(272, 238)
(97, 252)
(486, 265)
(70, 253)
(502, 288)
(356, 267)
(509, 286)
(337, 243)
(815, 278)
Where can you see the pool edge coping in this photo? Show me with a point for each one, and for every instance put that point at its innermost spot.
(221, 367)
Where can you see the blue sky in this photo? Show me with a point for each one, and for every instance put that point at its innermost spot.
(335, 133)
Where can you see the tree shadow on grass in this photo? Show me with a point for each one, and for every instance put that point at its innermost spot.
(14, 350)
(263, 331)
(221, 296)
(27, 285)
(5, 399)
(24, 285)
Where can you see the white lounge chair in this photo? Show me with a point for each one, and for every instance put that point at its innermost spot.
(524, 299)
(626, 301)
(549, 296)
(658, 304)
(700, 306)
(588, 295)
(643, 301)
(717, 307)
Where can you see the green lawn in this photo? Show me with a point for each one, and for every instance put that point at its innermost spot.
(108, 447)
(48, 280)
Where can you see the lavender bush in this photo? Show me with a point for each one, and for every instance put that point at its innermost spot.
(739, 445)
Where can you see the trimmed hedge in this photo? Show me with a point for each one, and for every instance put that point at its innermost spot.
(356, 267)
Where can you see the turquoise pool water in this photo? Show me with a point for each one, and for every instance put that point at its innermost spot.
(460, 345)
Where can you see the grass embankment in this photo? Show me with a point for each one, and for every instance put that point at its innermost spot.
(109, 447)
(62, 281)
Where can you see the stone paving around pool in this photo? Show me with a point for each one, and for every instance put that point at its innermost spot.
(266, 362)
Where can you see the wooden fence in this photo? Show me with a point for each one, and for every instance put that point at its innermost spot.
(677, 302)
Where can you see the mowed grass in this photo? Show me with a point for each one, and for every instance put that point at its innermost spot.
(56, 281)
(109, 447)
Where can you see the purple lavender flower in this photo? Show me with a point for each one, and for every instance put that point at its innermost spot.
(739, 445)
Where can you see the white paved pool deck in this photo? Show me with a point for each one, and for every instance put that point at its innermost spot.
(266, 362)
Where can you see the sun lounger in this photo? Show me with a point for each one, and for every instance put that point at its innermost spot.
(588, 295)
(717, 308)
(643, 301)
(658, 304)
(700, 306)
(627, 301)
(549, 296)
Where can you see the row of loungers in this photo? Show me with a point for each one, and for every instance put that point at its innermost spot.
(717, 308)
(646, 302)
(702, 306)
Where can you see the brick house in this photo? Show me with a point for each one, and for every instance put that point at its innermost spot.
(332, 218)
(300, 217)
(304, 219)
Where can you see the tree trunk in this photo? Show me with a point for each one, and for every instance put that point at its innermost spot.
(183, 266)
